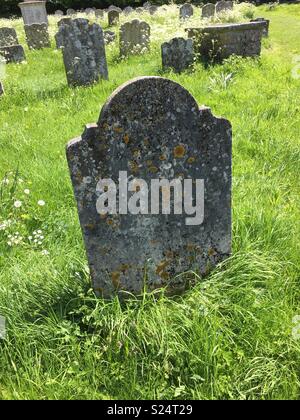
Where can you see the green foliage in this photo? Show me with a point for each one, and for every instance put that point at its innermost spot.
(230, 337)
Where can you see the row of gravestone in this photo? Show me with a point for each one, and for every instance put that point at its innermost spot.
(99, 13)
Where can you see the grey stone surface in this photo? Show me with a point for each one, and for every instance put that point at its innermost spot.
(99, 13)
(178, 54)
(83, 52)
(139, 10)
(8, 37)
(89, 11)
(13, 54)
(147, 5)
(1, 89)
(266, 23)
(224, 6)
(208, 10)
(186, 11)
(109, 37)
(152, 10)
(113, 17)
(64, 21)
(71, 12)
(59, 13)
(216, 43)
(37, 36)
(128, 10)
(112, 7)
(152, 128)
(58, 36)
(134, 37)
(34, 12)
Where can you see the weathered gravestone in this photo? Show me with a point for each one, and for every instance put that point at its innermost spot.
(112, 7)
(152, 10)
(99, 13)
(71, 12)
(223, 6)
(151, 138)
(8, 37)
(186, 11)
(128, 10)
(59, 13)
(64, 21)
(178, 54)
(113, 17)
(216, 43)
(10, 49)
(89, 11)
(208, 11)
(83, 52)
(109, 37)
(134, 37)
(139, 10)
(37, 36)
(58, 37)
(266, 23)
(147, 5)
(34, 12)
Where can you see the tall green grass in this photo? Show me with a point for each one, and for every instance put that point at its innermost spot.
(230, 337)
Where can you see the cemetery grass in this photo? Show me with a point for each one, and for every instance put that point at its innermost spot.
(230, 336)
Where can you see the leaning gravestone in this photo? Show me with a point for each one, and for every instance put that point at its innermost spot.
(186, 11)
(37, 36)
(151, 138)
(113, 17)
(208, 11)
(218, 42)
(178, 54)
(134, 38)
(83, 52)
(10, 49)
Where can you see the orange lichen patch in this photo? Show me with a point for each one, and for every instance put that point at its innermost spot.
(191, 160)
(160, 269)
(211, 252)
(90, 226)
(153, 169)
(146, 142)
(179, 151)
(136, 153)
(118, 129)
(133, 166)
(109, 221)
(149, 162)
(105, 126)
(162, 157)
(126, 139)
(115, 278)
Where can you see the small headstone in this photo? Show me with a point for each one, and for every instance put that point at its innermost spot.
(59, 13)
(208, 11)
(83, 52)
(34, 12)
(64, 21)
(13, 54)
(112, 7)
(89, 11)
(134, 38)
(151, 133)
(152, 10)
(223, 6)
(71, 12)
(37, 36)
(147, 5)
(218, 42)
(128, 10)
(113, 17)
(109, 37)
(186, 11)
(99, 13)
(139, 10)
(266, 23)
(8, 37)
(178, 54)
